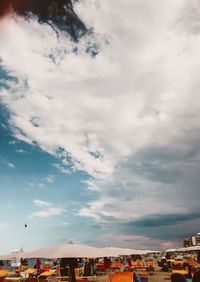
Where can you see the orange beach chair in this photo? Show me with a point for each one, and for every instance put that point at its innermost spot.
(121, 277)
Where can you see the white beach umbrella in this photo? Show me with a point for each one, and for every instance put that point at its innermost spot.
(189, 249)
(112, 252)
(65, 251)
(13, 256)
(129, 252)
(115, 252)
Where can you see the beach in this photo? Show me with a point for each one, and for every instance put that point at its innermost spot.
(160, 276)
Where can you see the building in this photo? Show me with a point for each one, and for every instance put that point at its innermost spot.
(193, 240)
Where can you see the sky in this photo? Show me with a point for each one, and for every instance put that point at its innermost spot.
(102, 148)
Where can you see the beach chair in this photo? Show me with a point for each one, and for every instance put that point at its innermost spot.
(28, 272)
(136, 264)
(100, 268)
(4, 271)
(47, 267)
(180, 271)
(120, 277)
(144, 276)
(3, 274)
(177, 265)
(192, 266)
(47, 275)
(151, 265)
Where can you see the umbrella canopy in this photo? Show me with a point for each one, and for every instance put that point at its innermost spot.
(13, 256)
(189, 249)
(170, 250)
(115, 252)
(65, 251)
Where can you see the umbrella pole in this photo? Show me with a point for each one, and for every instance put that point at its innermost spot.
(110, 275)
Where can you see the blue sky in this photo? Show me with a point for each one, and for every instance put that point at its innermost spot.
(102, 149)
(28, 174)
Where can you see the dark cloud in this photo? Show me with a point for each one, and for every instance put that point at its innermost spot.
(59, 12)
(164, 227)
(162, 163)
(165, 219)
(21, 7)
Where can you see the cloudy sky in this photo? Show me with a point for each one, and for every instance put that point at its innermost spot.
(101, 147)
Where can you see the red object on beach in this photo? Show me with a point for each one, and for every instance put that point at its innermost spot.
(46, 267)
(25, 225)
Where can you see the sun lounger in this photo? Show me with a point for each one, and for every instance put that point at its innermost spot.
(121, 277)
(180, 271)
(144, 276)
(46, 267)
(46, 275)
(3, 272)
(6, 273)
(28, 272)
(151, 266)
(178, 265)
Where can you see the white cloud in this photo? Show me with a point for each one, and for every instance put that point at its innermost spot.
(48, 209)
(41, 203)
(20, 151)
(62, 168)
(50, 178)
(128, 117)
(11, 165)
(49, 212)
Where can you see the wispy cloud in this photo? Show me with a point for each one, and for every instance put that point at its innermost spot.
(48, 209)
(62, 168)
(6, 162)
(11, 165)
(20, 151)
(49, 212)
(50, 178)
(41, 203)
